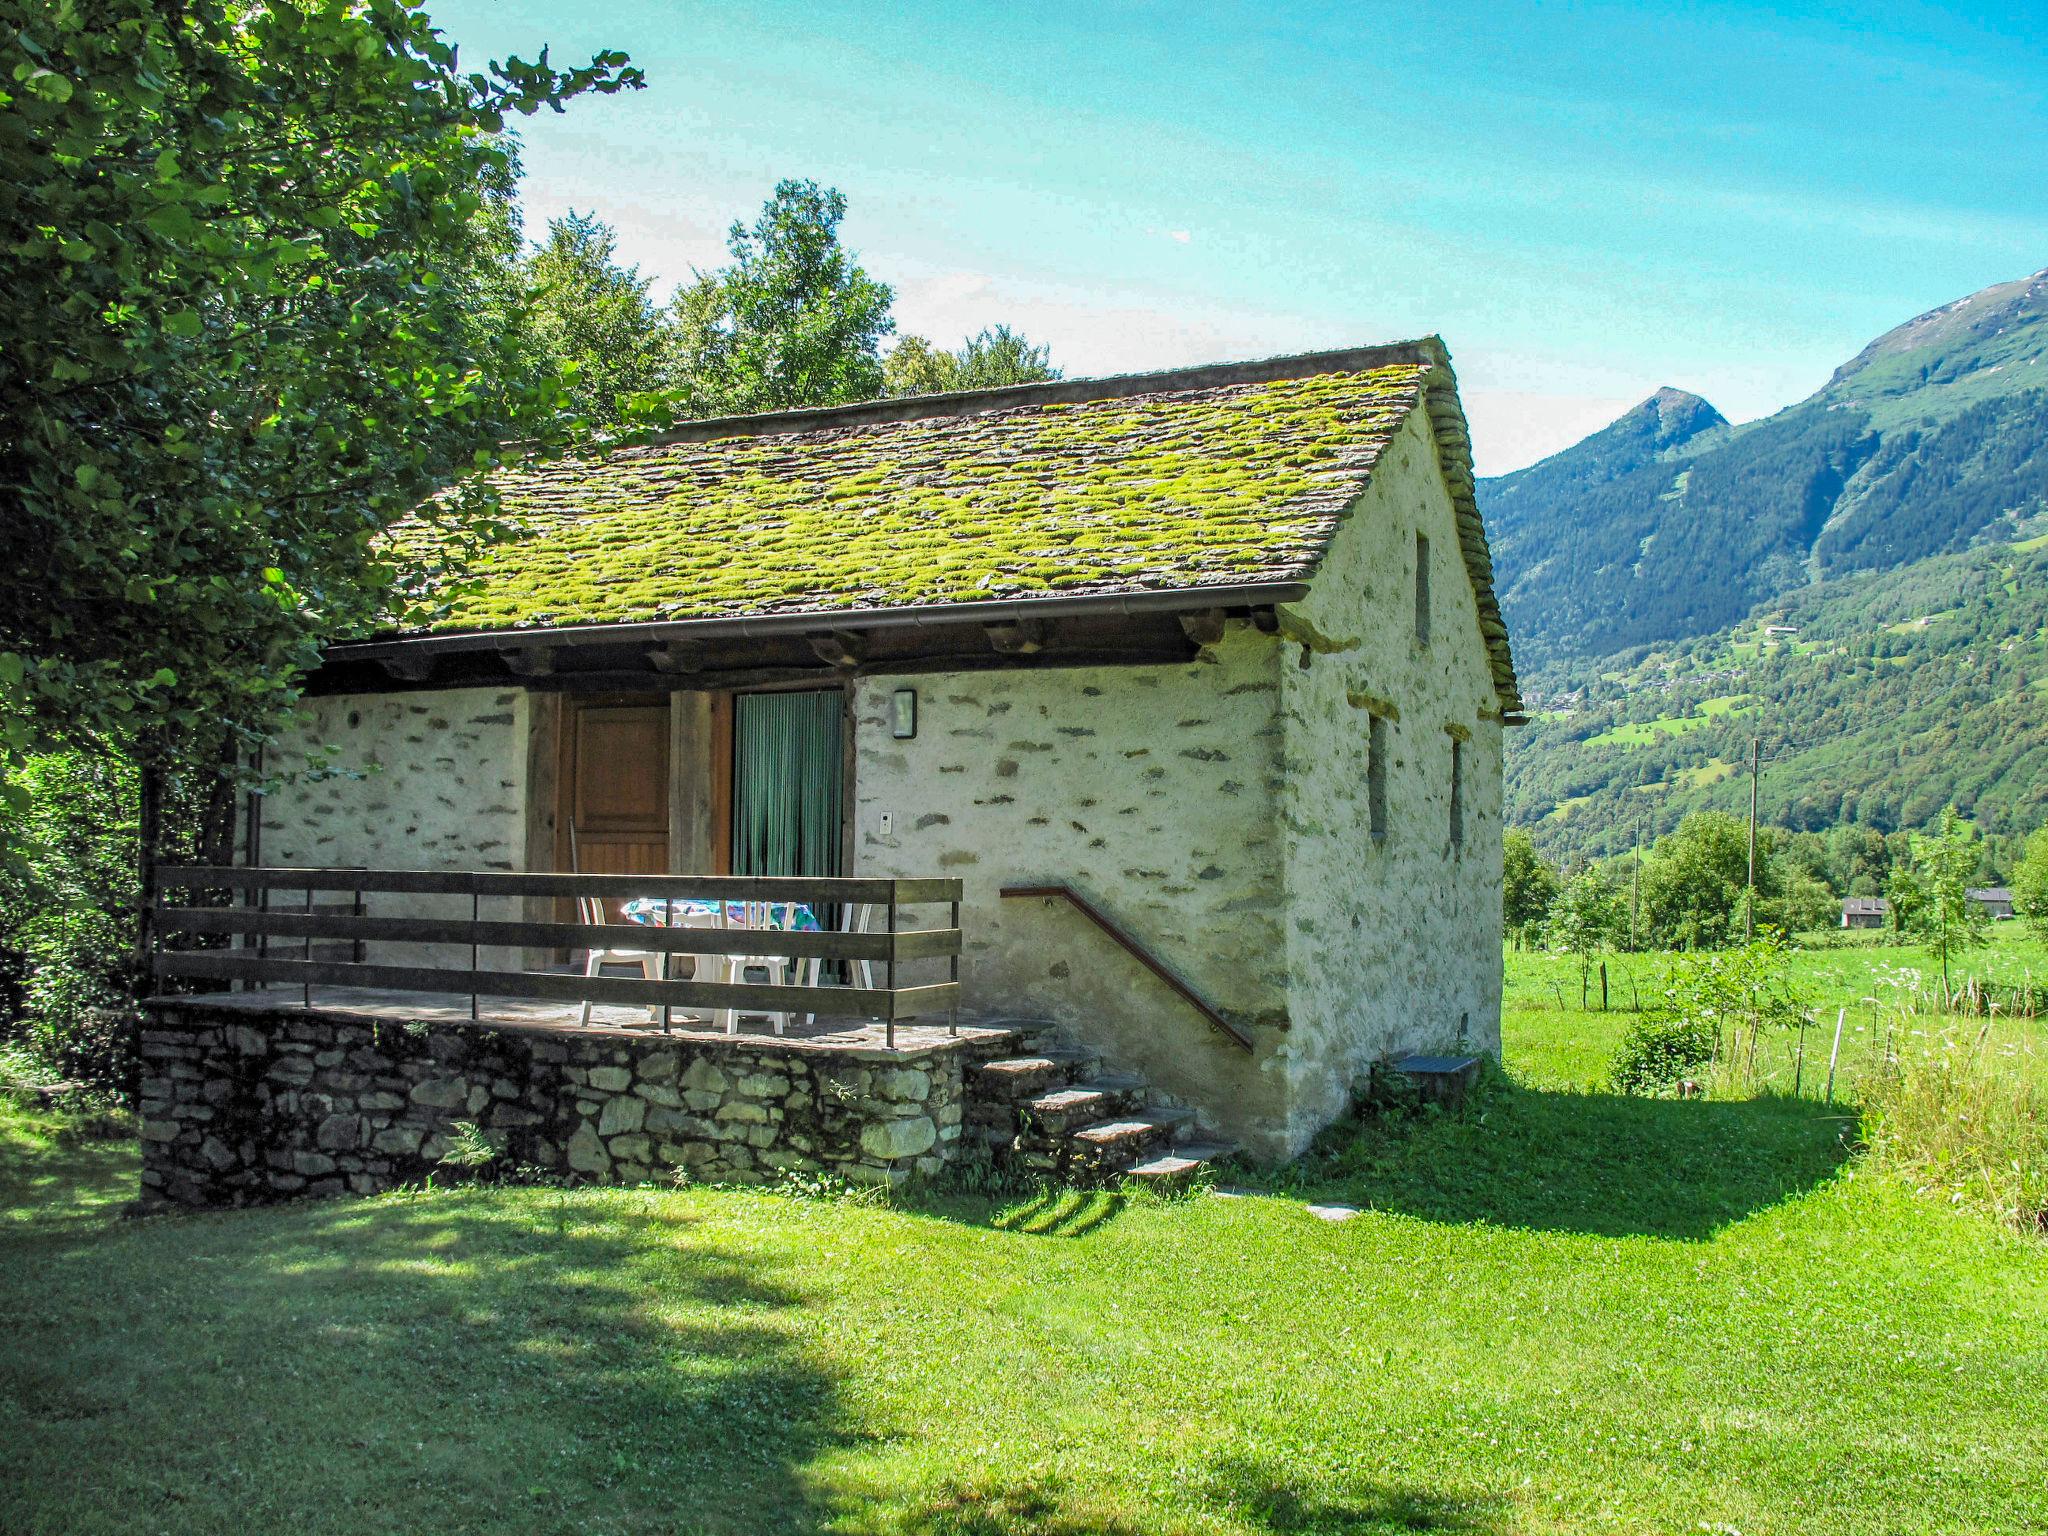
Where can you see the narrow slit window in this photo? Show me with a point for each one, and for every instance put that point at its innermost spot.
(1422, 589)
(1376, 778)
(1457, 795)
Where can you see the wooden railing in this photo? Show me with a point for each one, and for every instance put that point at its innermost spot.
(260, 925)
(1122, 938)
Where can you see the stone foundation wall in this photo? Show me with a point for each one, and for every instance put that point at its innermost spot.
(242, 1105)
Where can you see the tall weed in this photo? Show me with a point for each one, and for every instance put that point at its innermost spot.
(1960, 1111)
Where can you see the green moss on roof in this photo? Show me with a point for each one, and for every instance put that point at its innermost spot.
(1229, 484)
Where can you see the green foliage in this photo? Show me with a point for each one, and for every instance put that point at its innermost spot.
(1694, 882)
(1964, 1118)
(591, 313)
(1935, 906)
(469, 1147)
(67, 914)
(1898, 693)
(2030, 884)
(990, 359)
(1528, 884)
(998, 356)
(1588, 915)
(243, 305)
(792, 321)
(915, 367)
(1661, 1050)
(1715, 1006)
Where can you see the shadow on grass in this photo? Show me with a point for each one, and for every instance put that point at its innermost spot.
(477, 1360)
(1060, 1212)
(1244, 1492)
(1597, 1163)
(1267, 1499)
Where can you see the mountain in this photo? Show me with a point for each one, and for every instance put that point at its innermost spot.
(1879, 697)
(1670, 523)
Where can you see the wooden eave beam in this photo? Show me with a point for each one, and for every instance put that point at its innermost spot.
(1018, 637)
(838, 647)
(1204, 626)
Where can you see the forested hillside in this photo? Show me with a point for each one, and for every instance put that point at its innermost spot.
(1671, 524)
(1878, 697)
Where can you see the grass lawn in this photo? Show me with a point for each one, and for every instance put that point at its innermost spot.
(1562, 1312)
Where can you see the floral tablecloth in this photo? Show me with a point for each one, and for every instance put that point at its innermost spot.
(785, 916)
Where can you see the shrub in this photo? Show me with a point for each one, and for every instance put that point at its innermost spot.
(1660, 1050)
(1732, 995)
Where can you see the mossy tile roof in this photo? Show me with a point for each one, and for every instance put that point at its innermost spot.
(1209, 477)
(1235, 484)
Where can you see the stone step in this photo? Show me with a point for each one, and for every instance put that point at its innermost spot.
(1110, 1146)
(1069, 1109)
(1182, 1163)
(1019, 1079)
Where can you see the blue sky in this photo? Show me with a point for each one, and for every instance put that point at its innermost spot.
(1586, 201)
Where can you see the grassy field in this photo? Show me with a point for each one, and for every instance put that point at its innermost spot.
(1560, 1312)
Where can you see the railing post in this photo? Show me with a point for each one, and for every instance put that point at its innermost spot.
(668, 922)
(476, 912)
(306, 953)
(261, 898)
(953, 974)
(889, 1026)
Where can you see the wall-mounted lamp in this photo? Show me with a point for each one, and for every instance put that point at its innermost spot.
(903, 713)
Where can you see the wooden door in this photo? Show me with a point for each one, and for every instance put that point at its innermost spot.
(615, 788)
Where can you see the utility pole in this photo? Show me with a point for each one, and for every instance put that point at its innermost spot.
(1635, 897)
(1749, 906)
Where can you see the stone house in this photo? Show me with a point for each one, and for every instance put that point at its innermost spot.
(1196, 679)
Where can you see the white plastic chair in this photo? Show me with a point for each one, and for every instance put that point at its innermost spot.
(781, 969)
(591, 910)
(854, 918)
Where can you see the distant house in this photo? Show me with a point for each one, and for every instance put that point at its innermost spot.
(1994, 901)
(1864, 911)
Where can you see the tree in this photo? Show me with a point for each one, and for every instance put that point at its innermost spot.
(245, 251)
(792, 321)
(2030, 884)
(1944, 916)
(1528, 885)
(1586, 919)
(915, 367)
(1695, 879)
(998, 356)
(990, 359)
(1804, 903)
(588, 311)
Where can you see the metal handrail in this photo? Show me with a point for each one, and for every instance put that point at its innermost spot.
(1138, 952)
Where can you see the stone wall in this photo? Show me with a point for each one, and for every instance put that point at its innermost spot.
(1394, 944)
(428, 780)
(1152, 790)
(243, 1104)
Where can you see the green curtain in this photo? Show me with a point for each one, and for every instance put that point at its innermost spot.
(788, 777)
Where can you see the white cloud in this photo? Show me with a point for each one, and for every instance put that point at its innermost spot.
(1514, 428)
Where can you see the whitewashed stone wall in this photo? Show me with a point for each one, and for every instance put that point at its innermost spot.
(1217, 810)
(1152, 790)
(426, 780)
(1392, 946)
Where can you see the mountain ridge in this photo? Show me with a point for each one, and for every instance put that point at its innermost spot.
(1670, 522)
(1861, 579)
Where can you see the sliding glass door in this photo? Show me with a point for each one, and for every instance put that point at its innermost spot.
(788, 783)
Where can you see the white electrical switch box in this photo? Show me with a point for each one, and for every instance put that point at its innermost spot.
(885, 824)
